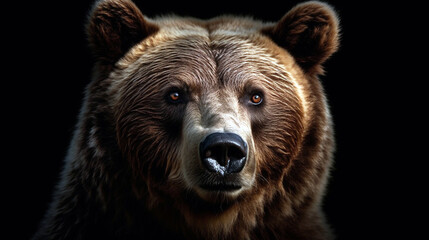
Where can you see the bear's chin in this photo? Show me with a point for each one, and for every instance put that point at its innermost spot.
(200, 202)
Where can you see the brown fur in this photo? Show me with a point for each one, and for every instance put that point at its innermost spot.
(132, 169)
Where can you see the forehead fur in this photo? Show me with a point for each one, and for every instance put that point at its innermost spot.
(224, 49)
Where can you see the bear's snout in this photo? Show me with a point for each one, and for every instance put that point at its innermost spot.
(223, 153)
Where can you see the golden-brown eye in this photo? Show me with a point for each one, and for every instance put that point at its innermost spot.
(174, 96)
(256, 99)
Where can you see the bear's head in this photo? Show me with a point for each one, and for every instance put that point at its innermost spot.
(217, 119)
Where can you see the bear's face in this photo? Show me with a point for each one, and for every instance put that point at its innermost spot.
(221, 112)
(203, 109)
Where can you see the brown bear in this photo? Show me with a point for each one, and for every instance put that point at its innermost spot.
(200, 129)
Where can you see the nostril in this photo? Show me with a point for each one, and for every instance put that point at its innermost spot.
(223, 153)
(237, 159)
(235, 153)
(216, 152)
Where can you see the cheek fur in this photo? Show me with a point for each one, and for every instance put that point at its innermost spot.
(277, 131)
(172, 119)
(148, 133)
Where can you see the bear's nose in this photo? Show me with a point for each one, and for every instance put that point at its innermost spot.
(223, 153)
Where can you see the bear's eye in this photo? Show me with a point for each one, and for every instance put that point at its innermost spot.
(256, 99)
(174, 96)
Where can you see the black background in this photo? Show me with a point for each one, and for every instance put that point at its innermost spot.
(49, 65)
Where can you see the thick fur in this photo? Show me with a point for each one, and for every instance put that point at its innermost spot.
(132, 170)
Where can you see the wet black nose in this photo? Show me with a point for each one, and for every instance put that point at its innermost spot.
(223, 153)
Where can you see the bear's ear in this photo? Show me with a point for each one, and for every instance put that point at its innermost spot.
(310, 32)
(113, 27)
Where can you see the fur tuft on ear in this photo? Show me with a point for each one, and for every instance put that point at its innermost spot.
(310, 32)
(113, 27)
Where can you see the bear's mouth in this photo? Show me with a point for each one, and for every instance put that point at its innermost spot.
(221, 187)
(228, 183)
(217, 189)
